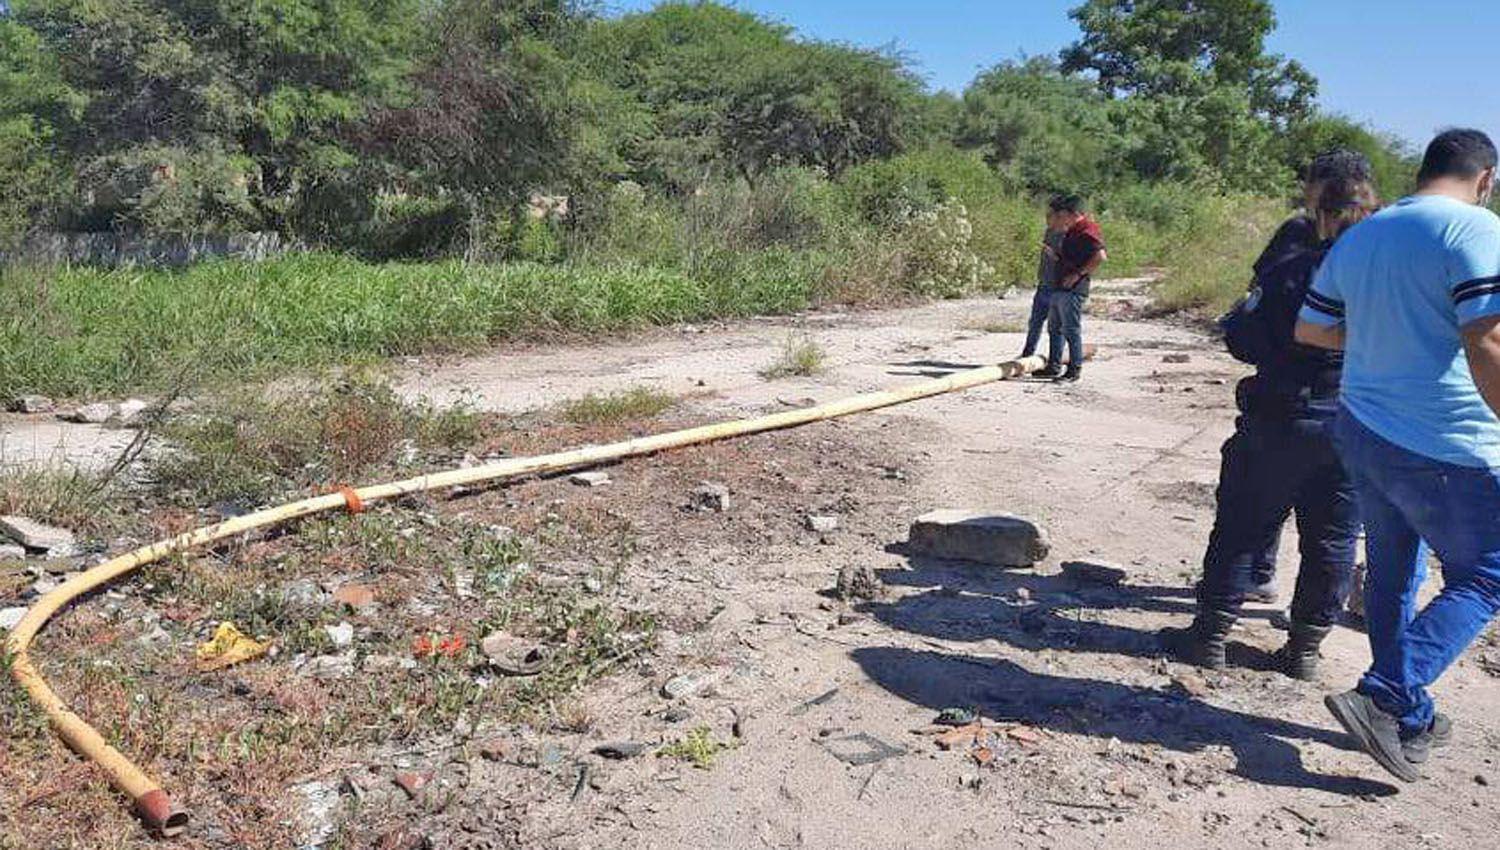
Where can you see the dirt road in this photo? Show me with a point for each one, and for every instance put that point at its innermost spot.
(1112, 749)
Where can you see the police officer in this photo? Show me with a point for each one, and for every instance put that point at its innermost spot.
(1281, 459)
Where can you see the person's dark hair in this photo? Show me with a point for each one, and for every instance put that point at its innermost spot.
(1066, 202)
(1343, 203)
(1457, 153)
(1338, 164)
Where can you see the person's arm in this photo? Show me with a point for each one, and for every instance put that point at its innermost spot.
(1482, 347)
(1319, 336)
(1090, 266)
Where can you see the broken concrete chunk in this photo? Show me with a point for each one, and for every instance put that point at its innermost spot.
(822, 524)
(9, 617)
(89, 414)
(589, 479)
(710, 497)
(327, 667)
(1090, 572)
(341, 635)
(131, 411)
(30, 404)
(858, 582)
(35, 535)
(11, 552)
(687, 684)
(983, 538)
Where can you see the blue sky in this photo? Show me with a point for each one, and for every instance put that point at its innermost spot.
(1388, 63)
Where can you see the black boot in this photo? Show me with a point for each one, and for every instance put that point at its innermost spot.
(1204, 643)
(1071, 375)
(1048, 372)
(1299, 657)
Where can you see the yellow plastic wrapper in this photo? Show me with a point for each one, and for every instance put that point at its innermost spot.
(228, 646)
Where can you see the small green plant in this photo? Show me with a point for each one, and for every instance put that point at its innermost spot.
(698, 749)
(616, 407)
(800, 357)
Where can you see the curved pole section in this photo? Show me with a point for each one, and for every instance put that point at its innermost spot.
(151, 802)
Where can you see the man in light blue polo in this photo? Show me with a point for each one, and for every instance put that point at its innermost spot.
(1412, 295)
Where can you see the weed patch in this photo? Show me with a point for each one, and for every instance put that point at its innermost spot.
(613, 408)
(800, 357)
(698, 748)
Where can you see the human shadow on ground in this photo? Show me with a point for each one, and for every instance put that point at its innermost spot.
(1005, 690)
(1031, 611)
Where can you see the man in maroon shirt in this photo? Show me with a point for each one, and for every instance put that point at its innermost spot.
(1079, 257)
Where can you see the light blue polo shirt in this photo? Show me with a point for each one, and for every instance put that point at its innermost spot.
(1404, 282)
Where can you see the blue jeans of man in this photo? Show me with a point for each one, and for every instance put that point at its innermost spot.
(1041, 306)
(1272, 466)
(1065, 323)
(1406, 499)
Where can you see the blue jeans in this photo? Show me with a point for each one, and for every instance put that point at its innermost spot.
(1270, 467)
(1041, 305)
(1065, 322)
(1407, 498)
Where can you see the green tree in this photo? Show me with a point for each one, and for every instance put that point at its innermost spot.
(264, 88)
(1045, 129)
(35, 104)
(1164, 47)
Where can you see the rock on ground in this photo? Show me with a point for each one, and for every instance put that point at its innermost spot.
(589, 479)
(858, 582)
(711, 497)
(89, 414)
(11, 552)
(36, 535)
(980, 537)
(9, 617)
(31, 404)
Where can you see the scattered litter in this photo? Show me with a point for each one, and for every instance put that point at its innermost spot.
(1024, 735)
(821, 699)
(983, 756)
(590, 479)
(861, 749)
(962, 736)
(620, 750)
(433, 646)
(956, 716)
(228, 646)
(514, 656)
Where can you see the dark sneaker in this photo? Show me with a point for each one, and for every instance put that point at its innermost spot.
(1047, 372)
(1069, 377)
(1440, 734)
(1376, 732)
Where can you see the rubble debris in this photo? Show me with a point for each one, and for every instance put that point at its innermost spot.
(88, 414)
(861, 749)
(355, 595)
(228, 646)
(30, 404)
(858, 582)
(956, 716)
(11, 552)
(710, 497)
(131, 412)
(821, 699)
(822, 524)
(39, 537)
(687, 684)
(10, 617)
(1090, 572)
(412, 782)
(512, 655)
(329, 667)
(1177, 358)
(589, 479)
(620, 750)
(979, 537)
(341, 635)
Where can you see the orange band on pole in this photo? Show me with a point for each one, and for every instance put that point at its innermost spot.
(352, 501)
